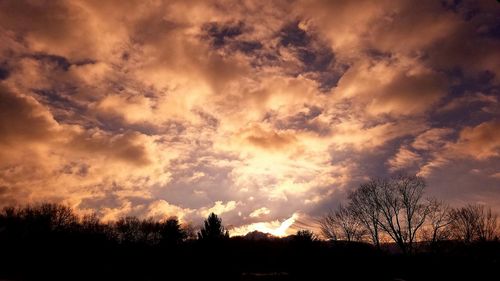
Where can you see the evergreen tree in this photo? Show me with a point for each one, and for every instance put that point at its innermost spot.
(172, 232)
(213, 229)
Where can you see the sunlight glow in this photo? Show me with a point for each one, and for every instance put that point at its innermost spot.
(274, 227)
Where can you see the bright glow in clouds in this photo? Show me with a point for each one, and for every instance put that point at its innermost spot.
(257, 111)
(274, 227)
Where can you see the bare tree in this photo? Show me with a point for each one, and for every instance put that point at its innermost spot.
(90, 223)
(328, 226)
(351, 227)
(150, 231)
(51, 217)
(488, 225)
(365, 209)
(465, 222)
(438, 219)
(342, 224)
(128, 230)
(402, 210)
(473, 222)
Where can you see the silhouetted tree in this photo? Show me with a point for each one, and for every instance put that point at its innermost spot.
(11, 223)
(304, 236)
(91, 223)
(342, 224)
(35, 238)
(213, 229)
(328, 226)
(128, 230)
(402, 210)
(190, 231)
(47, 218)
(488, 225)
(473, 222)
(150, 230)
(172, 232)
(438, 220)
(366, 210)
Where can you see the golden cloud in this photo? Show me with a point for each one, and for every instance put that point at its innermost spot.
(181, 108)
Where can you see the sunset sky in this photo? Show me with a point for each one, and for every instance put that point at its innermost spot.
(264, 112)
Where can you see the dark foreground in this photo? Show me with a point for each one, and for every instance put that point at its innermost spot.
(91, 258)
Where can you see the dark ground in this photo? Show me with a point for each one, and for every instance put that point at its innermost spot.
(68, 257)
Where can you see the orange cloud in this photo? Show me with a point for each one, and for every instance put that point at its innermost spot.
(188, 107)
(481, 141)
(257, 136)
(399, 86)
(404, 158)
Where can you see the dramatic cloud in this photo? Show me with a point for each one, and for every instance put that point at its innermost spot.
(264, 113)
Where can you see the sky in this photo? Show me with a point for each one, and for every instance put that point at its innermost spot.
(265, 112)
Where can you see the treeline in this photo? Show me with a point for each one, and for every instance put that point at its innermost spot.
(35, 222)
(50, 242)
(380, 210)
(395, 209)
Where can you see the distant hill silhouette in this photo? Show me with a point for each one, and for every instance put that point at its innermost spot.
(257, 235)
